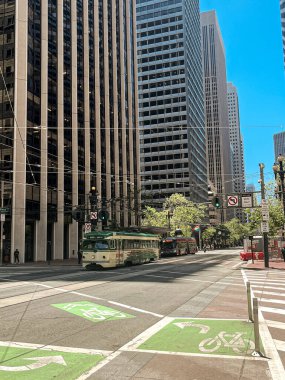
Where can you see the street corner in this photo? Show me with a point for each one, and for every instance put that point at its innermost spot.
(203, 337)
(34, 363)
(92, 311)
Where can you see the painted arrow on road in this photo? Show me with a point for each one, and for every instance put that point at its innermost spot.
(40, 362)
(204, 329)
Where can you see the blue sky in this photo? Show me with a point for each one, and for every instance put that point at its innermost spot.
(251, 31)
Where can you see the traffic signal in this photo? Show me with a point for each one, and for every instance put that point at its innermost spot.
(103, 215)
(217, 202)
(93, 196)
(78, 214)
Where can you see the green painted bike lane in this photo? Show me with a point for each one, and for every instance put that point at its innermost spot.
(29, 364)
(203, 336)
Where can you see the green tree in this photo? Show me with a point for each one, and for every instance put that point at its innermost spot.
(237, 231)
(183, 214)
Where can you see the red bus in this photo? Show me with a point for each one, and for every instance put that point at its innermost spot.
(175, 246)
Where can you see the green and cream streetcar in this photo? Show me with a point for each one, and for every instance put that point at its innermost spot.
(112, 249)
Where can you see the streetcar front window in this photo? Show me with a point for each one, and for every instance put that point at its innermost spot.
(168, 245)
(101, 245)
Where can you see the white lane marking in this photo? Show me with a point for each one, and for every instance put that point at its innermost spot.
(275, 364)
(48, 347)
(150, 331)
(276, 324)
(190, 279)
(279, 345)
(269, 293)
(270, 300)
(272, 310)
(169, 261)
(13, 285)
(268, 282)
(250, 358)
(38, 362)
(104, 362)
(96, 298)
(135, 309)
(138, 340)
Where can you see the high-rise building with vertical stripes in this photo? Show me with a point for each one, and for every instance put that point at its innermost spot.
(171, 100)
(282, 9)
(236, 140)
(219, 150)
(68, 119)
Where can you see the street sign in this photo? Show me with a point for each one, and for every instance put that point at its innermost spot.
(232, 201)
(5, 210)
(265, 216)
(94, 215)
(264, 226)
(87, 227)
(246, 200)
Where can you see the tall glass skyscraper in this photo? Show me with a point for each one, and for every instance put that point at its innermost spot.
(68, 118)
(282, 9)
(171, 100)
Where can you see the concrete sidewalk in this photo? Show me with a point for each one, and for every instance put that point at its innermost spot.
(259, 264)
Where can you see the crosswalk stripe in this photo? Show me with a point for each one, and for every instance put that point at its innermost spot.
(276, 324)
(267, 282)
(271, 300)
(269, 293)
(265, 287)
(272, 310)
(279, 345)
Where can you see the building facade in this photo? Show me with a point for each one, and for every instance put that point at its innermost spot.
(236, 140)
(219, 150)
(68, 119)
(171, 105)
(282, 9)
(279, 144)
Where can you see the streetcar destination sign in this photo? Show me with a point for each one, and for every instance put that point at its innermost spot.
(5, 210)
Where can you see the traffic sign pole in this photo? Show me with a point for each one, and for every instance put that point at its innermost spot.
(263, 201)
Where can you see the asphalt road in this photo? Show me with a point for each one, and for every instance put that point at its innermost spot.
(67, 323)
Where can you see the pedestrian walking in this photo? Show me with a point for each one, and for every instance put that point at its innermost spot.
(16, 256)
(205, 248)
(79, 255)
(283, 253)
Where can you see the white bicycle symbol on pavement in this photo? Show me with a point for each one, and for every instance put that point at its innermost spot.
(236, 342)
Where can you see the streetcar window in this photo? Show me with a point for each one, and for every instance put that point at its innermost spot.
(101, 244)
(87, 244)
(112, 244)
(168, 245)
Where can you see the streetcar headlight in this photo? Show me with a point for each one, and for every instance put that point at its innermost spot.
(93, 257)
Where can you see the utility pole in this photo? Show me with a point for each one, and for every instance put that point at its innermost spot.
(265, 234)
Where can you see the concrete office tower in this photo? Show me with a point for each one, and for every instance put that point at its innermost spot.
(282, 9)
(217, 121)
(279, 144)
(171, 103)
(70, 72)
(236, 140)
